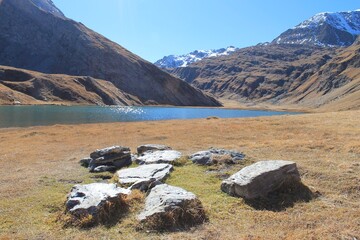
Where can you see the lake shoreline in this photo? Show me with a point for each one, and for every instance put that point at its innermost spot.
(45, 115)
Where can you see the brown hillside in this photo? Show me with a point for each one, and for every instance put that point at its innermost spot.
(30, 87)
(307, 76)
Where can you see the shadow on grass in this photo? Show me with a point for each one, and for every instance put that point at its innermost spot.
(283, 198)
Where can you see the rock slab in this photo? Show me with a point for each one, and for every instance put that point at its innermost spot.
(258, 179)
(169, 208)
(143, 174)
(98, 200)
(212, 156)
(108, 159)
(151, 147)
(164, 156)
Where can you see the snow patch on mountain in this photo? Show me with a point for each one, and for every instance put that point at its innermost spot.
(345, 21)
(174, 61)
(48, 6)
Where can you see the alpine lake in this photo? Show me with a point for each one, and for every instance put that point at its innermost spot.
(44, 115)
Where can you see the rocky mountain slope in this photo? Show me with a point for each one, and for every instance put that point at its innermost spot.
(282, 74)
(324, 29)
(174, 61)
(18, 86)
(35, 35)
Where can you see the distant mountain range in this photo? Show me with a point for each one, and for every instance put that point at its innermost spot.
(314, 65)
(35, 35)
(174, 61)
(323, 29)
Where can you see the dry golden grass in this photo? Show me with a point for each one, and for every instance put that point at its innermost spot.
(39, 165)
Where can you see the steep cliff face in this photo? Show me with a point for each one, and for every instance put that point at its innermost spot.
(35, 35)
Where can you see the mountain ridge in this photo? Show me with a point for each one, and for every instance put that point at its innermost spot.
(20, 86)
(37, 40)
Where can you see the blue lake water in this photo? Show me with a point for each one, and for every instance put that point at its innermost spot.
(24, 116)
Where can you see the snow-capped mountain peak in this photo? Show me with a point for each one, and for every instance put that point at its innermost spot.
(327, 29)
(174, 61)
(48, 6)
(345, 21)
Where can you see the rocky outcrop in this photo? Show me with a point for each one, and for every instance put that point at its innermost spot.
(108, 159)
(151, 147)
(171, 208)
(95, 203)
(43, 41)
(143, 175)
(258, 179)
(214, 156)
(165, 156)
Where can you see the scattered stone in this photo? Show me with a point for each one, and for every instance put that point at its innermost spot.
(152, 147)
(213, 156)
(85, 162)
(146, 174)
(163, 156)
(258, 179)
(145, 185)
(171, 208)
(104, 168)
(95, 203)
(108, 159)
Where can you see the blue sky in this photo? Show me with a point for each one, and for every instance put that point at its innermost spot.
(155, 28)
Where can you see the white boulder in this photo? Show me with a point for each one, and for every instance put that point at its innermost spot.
(258, 179)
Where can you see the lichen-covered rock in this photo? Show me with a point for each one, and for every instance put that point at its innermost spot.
(151, 147)
(213, 156)
(171, 208)
(95, 203)
(144, 174)
(258, 179)
(108, 159)
(164, 156)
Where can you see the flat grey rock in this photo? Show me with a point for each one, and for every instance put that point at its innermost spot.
(260, 178)
(211, 156)
(151, 147)
(94, 199)
(168, 207)
(158, 172)
(164, 156)
(114, 150)
(108, 159)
